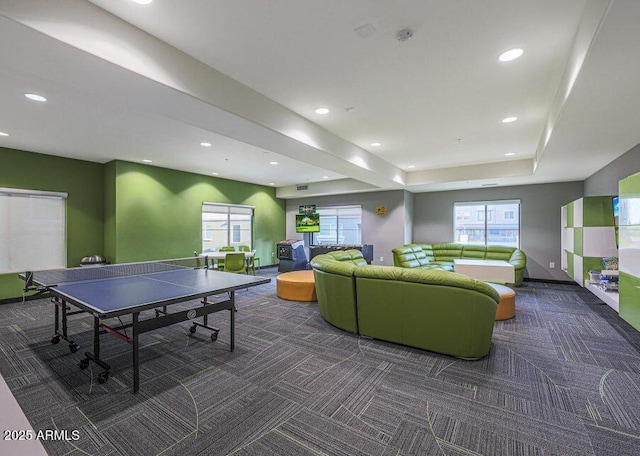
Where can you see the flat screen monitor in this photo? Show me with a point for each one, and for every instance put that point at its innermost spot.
(307, 223)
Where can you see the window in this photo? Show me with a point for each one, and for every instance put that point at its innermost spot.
(339, 225)
(32, 230)
(226, 224)
(503, 229)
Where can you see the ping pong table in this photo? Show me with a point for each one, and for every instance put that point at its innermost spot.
(113, 291)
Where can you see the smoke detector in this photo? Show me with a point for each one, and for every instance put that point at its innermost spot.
(404, 35)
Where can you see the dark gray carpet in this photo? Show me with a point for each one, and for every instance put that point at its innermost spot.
(562, 378)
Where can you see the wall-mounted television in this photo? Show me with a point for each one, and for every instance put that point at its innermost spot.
(307, 223)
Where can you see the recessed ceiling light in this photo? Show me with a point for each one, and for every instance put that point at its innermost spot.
(215, 174)
(509, 154)
(271, 183)
(142, 2)
(205, 144)
(411, 166)
(273, 163)
(510, 55)
(147, 161)
(325, 177)
(35, 97)
(376, 144)
(322, 111)
(509, 119)
(2, 133)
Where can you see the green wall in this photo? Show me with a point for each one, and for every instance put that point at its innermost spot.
(158, 212)
(82, 180)
(132, 212)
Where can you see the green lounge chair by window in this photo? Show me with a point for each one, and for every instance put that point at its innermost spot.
(234, 262)
(228, 248)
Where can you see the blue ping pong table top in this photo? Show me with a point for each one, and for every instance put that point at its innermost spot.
(122, 295)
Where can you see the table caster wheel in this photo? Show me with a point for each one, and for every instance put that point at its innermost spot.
(214, 337)
(73, 347)
(192, 330)
(84, 363)
(103, 377)
(55, 339)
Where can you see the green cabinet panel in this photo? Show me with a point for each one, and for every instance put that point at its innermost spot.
(630, 186)
(598, 211)
(630, 299)
(577, 241)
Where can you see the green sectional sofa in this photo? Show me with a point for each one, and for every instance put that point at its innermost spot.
(434, 310)
(440, 256)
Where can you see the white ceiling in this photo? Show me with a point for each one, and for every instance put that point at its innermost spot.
(132, 82)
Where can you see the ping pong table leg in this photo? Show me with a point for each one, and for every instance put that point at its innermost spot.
(95, 356)
(136, 359)
(58, 305)
(232, 321)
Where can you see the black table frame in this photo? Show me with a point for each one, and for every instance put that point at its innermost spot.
(139, 326)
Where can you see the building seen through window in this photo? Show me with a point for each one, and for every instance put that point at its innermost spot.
(494, 222)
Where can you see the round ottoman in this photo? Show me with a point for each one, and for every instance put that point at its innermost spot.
(507, 305)
(296, 286)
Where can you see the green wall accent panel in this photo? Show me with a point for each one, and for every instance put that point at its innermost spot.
(109, 172)
(630, 299)
(598, 211)
(570, 264)
(82, 180)
(577, 241)
(158, 212)
(570, 215)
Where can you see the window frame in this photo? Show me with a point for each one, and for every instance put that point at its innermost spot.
(345, 209)
(490, 208)
(227, 210)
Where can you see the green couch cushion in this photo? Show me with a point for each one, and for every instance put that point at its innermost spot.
(447, 252)
(426, 276)
(474, 251)
(499, 252)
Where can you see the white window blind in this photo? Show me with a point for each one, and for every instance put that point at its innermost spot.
(32, 230)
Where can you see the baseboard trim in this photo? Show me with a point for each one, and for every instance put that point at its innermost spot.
(26, 298)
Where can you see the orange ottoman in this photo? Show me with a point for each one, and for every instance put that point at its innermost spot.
(296, 286)
(507, 305)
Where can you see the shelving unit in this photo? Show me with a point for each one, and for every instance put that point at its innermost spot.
(630, 250)
(610, 298)
(588, 235)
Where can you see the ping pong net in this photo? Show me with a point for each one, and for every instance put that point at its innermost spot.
(52, 277)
